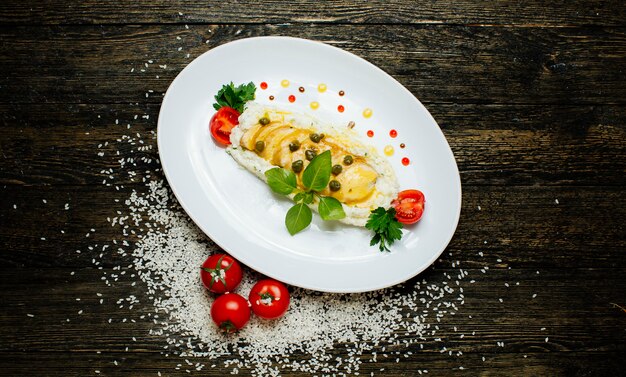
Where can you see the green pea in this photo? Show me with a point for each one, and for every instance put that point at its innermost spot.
(315, 137)
(310, 154)
(264, 121)
(348, 160)
(337, 169)
(334, 185)
(294, 145)
(297, 166)
(259, 146)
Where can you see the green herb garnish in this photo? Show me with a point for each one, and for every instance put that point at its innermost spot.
(385, 226)
(281, 181)
(317, 174)
(234, 97)
(298, 217)
(314, 178)
(330, 208)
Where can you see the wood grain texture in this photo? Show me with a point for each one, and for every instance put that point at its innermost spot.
(521, 225)
(560, 311)
(564, 364)
(530, 95)
(511, 12)
(563, 315)
(493, 144)
(450, 64)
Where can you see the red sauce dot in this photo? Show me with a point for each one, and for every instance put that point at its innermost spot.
(263, 85)
(292, 98)
(271, 98)
(406, 161)
(301, 89)
(393, 133)
(340, 108)
(402, 145)
(370, 133)
(341, 92)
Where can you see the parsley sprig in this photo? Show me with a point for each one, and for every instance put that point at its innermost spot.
(234, 96)
(386, 228)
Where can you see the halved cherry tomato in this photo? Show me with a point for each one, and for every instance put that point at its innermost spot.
(409, 206)
(222, 123)
(230, 312)
(269, 299)
(221, 273)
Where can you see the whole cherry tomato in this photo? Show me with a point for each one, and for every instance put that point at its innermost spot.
(269, 299)
(221, 273)
(230, 312)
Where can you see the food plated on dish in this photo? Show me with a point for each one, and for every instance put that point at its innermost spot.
(246, 218)
(268, 137)
(320, 166)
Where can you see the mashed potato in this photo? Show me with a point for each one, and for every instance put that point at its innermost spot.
(366, 183)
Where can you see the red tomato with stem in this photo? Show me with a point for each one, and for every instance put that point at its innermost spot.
(409, 206)
(221, 273)
(222, 122)
(230, 312)
(269, 299)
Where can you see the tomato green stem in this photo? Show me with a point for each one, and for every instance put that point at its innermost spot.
(216, 272)
(228, 326)
(266, 295)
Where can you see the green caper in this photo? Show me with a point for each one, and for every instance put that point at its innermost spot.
(294, 145)
(315, 137)
(348, 160)
(264, 121)
(310, 154)
(259, 146)
(337, 169)
(297, 166)
(334, 185)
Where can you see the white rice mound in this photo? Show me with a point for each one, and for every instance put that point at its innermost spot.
(387, 186)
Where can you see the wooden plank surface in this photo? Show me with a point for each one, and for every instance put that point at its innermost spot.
(531, 97)
(451, 64)
(493, 144)
(142, 364)
(560, 313)
(535, 12)
(584, 341)
(523, 226)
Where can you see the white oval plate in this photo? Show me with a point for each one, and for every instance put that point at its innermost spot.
(239, 212)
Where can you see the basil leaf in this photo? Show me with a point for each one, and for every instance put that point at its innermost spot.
(308, 197)
(317, 174)
(299, 196)
(330, 209)
(298, 217)
(281, 181)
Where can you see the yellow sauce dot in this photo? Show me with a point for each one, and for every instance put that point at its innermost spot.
(367, 113)
(322, 88)
(314, 105)
(388, 150)
(284, 83)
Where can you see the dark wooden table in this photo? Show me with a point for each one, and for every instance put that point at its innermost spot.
(531, 96)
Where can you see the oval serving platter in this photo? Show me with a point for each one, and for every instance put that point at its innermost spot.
(241, 214)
